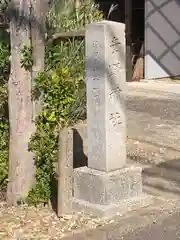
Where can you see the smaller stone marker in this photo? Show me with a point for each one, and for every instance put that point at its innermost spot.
(107, 185)
(65, 171)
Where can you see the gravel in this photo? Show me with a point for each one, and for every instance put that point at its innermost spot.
(28, 222)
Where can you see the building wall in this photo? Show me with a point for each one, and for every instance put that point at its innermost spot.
(162, 38)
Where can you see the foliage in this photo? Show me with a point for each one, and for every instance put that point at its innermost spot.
(4, 62)
(61, 85)
(26, 57)
(4, 73)
(64, 96)
(63, 88)
(3, 153)
(70, 18)
(4, 127)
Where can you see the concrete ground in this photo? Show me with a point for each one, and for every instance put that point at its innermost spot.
(154, 143)
(159, 221)
(153, 117)
(154, 135)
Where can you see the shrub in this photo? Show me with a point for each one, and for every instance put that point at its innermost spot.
(64, 102)
(4, 127)
(63, 88)
(4, 74)
(4, 136)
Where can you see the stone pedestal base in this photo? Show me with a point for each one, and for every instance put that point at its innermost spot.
(106, 193)
(106, 211)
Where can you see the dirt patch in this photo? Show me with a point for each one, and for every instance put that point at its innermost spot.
(25, 222)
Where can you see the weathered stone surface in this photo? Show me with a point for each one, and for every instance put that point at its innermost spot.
(106, 90)
(65, 171)
(107, 185)
(106, 211)
(107, 188)
(152, 115)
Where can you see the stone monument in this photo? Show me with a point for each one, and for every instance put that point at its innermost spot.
(107, 185)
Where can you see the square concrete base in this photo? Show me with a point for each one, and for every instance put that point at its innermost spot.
(106, 211)
(105, 193)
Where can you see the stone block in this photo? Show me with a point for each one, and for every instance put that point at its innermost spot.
(106, 91)
(103, 188)
(65, 171)
(107, 211)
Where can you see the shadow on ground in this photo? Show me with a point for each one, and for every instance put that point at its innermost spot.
(163, 179)
(159, 178)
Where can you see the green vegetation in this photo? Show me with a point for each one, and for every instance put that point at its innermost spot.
(4, 127)
(63, 88)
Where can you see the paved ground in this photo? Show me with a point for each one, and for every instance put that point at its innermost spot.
(159, 221)
(153, 114)
(154, 143)
(154, 136)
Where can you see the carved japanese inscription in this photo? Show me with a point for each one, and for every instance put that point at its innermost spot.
(113, 68)
(96, 97)
(115, 94)
(115, 45)
(105, 96)
(115, 119)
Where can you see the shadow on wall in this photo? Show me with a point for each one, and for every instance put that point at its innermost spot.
(162, 38)
(79, 159)
(79, 147)
(158, 180)
(105, 69)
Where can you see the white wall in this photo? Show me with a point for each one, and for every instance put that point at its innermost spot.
(162, 38)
